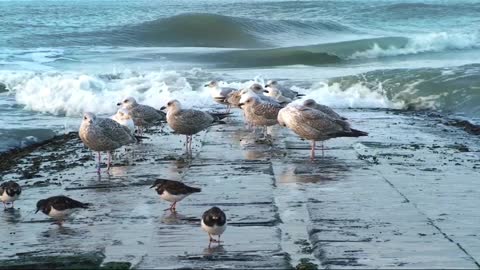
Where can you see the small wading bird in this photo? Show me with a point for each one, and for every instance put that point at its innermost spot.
(104, 135)
(9, 192)
(143, 116)
(173, 191)
(59, 207)
(189, 121)
(315, 125)
(214, 222)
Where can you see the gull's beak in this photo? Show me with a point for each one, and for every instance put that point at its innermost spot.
(38, 209)
(119, 103)
(154, 185)
(163, 108)
(265, 91)
(206, 85)
(241, 104)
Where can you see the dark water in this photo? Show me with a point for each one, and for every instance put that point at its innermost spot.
(61, 58)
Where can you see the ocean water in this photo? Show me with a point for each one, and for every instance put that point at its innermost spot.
(61, 58)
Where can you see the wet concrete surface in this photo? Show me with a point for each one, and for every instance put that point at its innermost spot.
(406, 196)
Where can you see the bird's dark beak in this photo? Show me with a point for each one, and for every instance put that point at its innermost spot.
(265, 91)
(163, 108)
(119, 103)
(154, 185)
(206, 85)
(38, 209)
(241, 104)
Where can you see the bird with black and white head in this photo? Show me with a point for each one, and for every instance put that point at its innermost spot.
(173, 191)
(59, 207)
(214, 222)
(9, 192)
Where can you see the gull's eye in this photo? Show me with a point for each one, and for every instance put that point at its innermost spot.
(84, 118)
(125, 101)
(169, 103)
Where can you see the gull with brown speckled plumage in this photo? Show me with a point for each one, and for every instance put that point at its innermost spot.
(220, 94)
(315, 125)
(143, 115)
(104, 135)
(190, 121)
(259, 112)
(323, 108)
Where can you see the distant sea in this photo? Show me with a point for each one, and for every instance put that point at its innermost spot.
(61, 58)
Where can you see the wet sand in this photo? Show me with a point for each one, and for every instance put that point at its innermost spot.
(406, 196)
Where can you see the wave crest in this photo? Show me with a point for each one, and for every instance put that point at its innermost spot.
(432, 42)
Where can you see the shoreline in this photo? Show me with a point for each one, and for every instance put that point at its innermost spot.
(20, 152)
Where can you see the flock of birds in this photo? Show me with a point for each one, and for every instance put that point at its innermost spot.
(261, 106)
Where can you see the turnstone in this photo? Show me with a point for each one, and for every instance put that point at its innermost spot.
(214, 222)
(59, 207)
(173, 191)
(9, 192)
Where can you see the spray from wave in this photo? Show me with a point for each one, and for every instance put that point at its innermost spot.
(452, 90)
(448, 90)
(71, 94)
(334, 53)
(432, 42)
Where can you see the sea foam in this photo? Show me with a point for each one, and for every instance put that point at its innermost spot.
(71, 94)
(423, 43)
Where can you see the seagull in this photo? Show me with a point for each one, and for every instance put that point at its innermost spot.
(233, 98)
(258, 90)
(260, 113)
(286, 92)
(190, 121)
(220, 94)
(123, 118)
(249, 92)
(173, 191)
(276, 94)
(323, 108)
(315, 125)
(9, 192)
(214, 222)
(104, 134)
(143, 115)
(59, 207)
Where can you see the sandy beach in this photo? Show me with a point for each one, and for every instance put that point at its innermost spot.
(403, 197)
